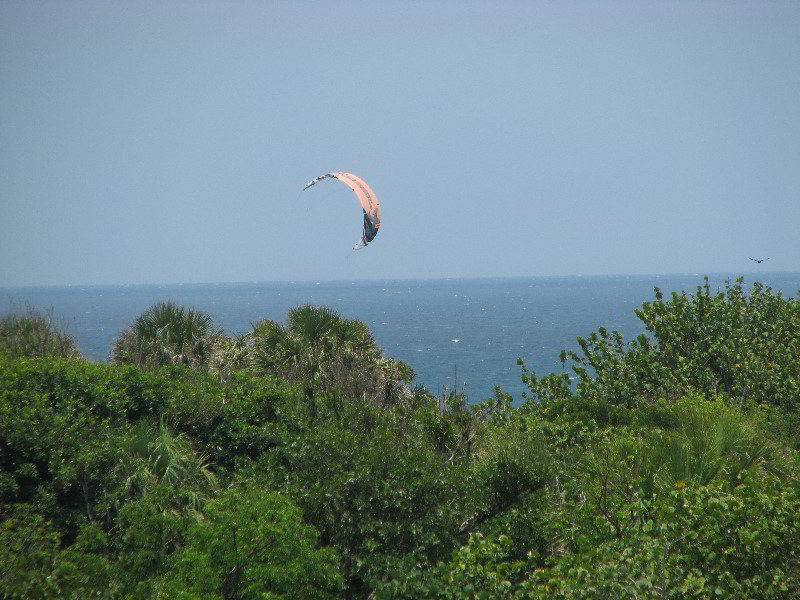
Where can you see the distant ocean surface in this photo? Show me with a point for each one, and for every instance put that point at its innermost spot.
(468, 331)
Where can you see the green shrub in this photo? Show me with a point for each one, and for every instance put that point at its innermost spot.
(251, 544)
(31, 333)
(743, 346)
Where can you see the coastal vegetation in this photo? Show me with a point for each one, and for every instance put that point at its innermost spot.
(166, 334)
(27, 332)
(298, 461)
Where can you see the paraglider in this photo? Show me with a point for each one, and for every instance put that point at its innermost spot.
(369, 204)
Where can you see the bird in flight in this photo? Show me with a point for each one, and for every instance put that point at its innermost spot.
(758, 260)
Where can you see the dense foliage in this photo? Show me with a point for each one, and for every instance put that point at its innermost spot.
(297, 462)
(29, 332)
(166, 334)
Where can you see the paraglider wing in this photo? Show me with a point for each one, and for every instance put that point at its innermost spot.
(369, 203)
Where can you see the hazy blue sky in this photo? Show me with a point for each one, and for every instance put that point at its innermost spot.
(168, 141)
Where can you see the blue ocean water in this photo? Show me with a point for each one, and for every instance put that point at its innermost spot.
(468, 332)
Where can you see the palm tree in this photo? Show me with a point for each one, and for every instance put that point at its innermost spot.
(713, 443)
(274, 350)
(155, 455)
(321, 348)
(167, 334)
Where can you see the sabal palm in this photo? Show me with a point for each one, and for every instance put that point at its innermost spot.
(166, 333)
(316, 345)
(711, 447)
(708, 444)
(274, 350)
(155, 455)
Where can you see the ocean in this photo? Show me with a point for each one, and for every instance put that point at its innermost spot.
(463, 332)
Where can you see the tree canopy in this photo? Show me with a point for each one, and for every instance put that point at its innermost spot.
(297, 461)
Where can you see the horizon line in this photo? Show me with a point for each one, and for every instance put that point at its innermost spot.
(315, 281)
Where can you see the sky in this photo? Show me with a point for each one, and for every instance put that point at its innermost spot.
(168, 142)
